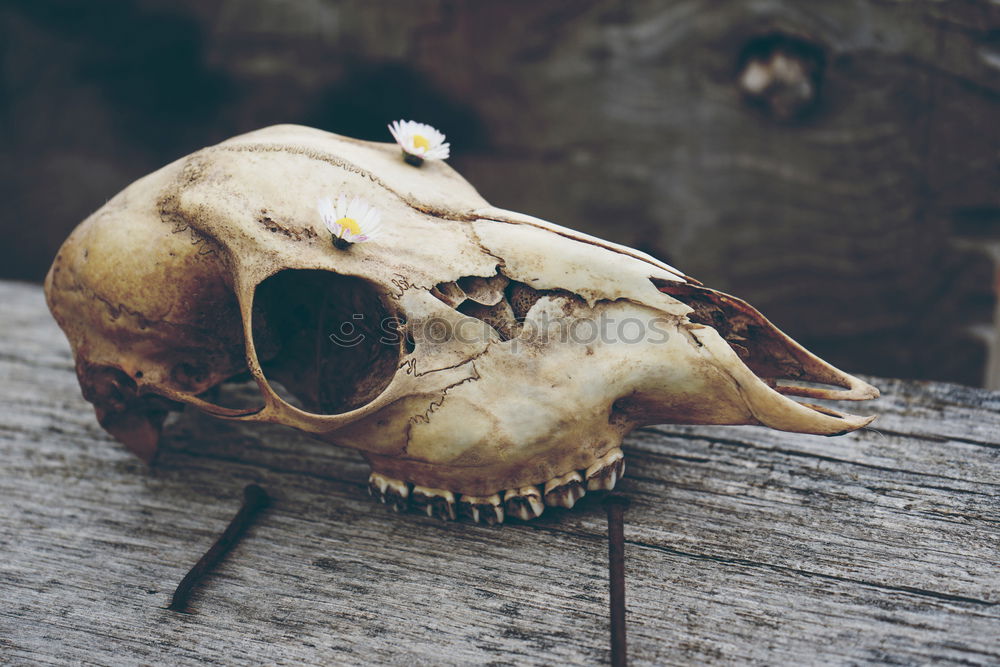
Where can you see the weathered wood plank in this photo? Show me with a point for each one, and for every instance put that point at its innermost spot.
(743, 544)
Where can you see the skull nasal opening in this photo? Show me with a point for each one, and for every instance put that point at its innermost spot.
(763, 348)
(331, 340)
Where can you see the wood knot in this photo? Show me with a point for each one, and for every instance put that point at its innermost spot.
(781, 75)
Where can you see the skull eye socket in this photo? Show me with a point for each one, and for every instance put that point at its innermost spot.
(329, 339)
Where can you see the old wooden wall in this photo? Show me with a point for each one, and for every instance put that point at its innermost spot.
(861, 223)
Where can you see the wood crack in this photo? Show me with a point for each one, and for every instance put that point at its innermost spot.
(799, 454)
(913, 590)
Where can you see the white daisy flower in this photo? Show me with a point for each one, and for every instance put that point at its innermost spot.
(419, 141)
(350, 221)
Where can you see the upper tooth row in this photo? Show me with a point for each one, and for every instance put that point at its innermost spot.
(526, 502)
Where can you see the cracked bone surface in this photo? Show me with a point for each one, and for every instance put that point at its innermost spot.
(519, 356)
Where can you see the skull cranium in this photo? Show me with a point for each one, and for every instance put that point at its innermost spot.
(466, 351)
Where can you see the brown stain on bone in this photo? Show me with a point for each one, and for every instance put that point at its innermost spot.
(265, 220)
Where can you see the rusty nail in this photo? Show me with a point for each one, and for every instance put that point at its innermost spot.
(616, 504)
(255, 499)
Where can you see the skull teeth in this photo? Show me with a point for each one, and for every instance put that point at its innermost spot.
(525, 503)
(605, 473)
(434, 502)
(565, 491)
(392, 492)
(482, 509)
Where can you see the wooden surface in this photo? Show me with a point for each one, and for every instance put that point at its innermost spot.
(744, 545)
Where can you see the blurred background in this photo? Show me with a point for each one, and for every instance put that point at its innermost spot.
(833, 162)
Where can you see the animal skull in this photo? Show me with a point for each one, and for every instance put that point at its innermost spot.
(510, 373)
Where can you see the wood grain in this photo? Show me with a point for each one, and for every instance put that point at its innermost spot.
(744, 545)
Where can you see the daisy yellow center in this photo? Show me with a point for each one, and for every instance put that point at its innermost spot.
(420, 141)
(350, 224)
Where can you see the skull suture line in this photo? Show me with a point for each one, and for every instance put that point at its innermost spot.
(218, 264)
